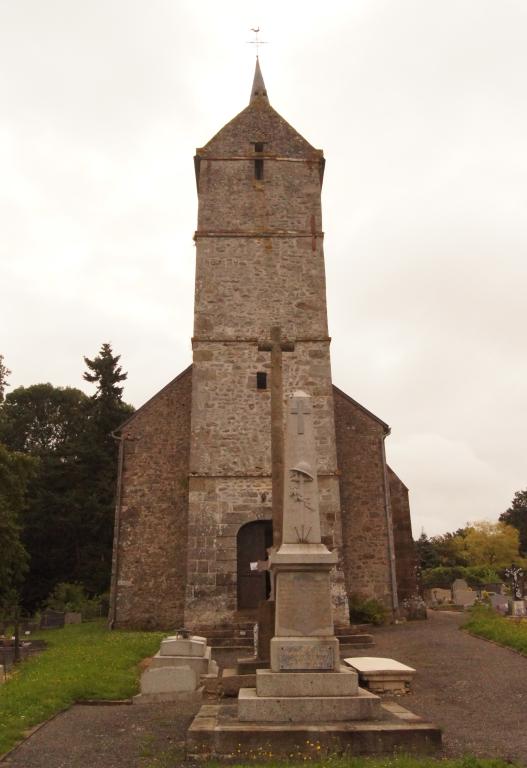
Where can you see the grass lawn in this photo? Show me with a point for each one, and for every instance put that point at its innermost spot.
(485, 622)
(379, 762)
(83, 661)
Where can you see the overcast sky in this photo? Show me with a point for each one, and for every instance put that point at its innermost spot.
(420, 107)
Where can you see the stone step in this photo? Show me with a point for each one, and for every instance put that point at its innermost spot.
(307, 709)
(362, 640)
(351, 629)
(215, 733)
(231, 642)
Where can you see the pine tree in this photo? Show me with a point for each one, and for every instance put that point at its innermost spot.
(106, 374)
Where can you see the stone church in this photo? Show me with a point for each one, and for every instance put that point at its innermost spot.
(194, 487)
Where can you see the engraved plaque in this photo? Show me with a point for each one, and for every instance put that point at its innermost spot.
(303, 604)
(298, 657)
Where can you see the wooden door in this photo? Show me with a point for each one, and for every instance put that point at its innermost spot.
(252, 542)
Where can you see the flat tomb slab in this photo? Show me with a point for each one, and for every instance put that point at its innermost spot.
(342, 683)
(377, 664)
(306, 709)
(217, 733)
(382, 675)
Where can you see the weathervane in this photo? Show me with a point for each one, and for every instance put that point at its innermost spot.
(257, 42)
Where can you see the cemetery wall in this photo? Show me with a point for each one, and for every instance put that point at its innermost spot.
(149, 568)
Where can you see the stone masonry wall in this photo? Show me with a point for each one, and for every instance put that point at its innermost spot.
(405, 555)
(230, 481)
(365, 518)
(150, 547)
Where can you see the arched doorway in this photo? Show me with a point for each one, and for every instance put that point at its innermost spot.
(252, 543)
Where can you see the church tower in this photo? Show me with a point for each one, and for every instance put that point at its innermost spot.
(194, 517)
(259, 264)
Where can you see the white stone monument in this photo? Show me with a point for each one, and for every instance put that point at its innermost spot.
(175, 671)
(306, 682)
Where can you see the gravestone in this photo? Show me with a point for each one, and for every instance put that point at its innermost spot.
(441, 596)
(175, 672)
(52, 619)
(517, 608)
(500, 603)
(462, 594)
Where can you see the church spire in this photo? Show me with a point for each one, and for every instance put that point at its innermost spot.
(258, 90)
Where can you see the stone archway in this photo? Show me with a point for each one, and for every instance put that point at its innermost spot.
(252, 542)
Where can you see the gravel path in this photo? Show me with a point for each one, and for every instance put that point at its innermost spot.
(476, 691)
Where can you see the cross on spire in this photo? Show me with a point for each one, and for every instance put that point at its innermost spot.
(257, 42)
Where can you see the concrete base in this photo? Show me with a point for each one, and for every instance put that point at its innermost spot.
(194, 697)
(343, 683)
(216, 733)
(306, 709)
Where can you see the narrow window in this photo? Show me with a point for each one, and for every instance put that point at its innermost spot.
(261, 380)
(258, 161)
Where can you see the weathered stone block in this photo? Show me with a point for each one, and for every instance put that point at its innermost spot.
(303, 653)
(342, 683)
(309, 709)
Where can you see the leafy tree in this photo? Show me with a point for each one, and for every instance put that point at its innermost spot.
(516, 515)
(444, 551)
(43, 420)
(491, 544)
(449, 549)
(4, 373)
(15, 472)
(50, 423)
(68, 522)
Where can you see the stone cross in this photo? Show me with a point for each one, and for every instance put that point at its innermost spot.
(276, 345)
(299, 409)
(514, 573)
